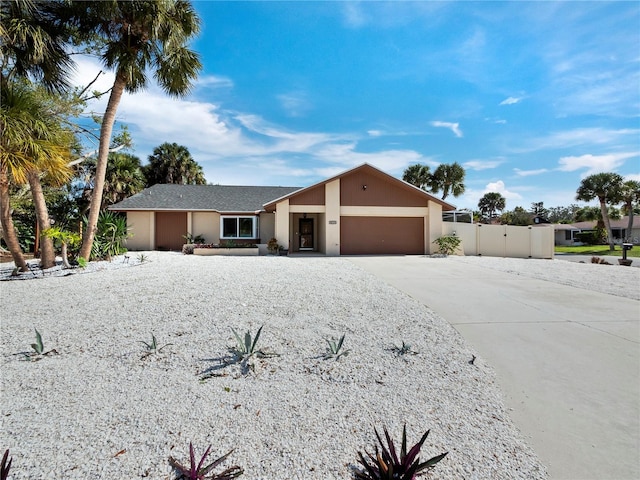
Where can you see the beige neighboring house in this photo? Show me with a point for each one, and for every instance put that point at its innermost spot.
(358, 212)
(566, 234)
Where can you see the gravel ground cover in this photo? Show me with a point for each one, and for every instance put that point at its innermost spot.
(610, 279)
(101, 409)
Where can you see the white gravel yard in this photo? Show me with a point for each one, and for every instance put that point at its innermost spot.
(98, 410)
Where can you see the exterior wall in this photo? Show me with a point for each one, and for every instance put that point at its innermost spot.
(267, 227)
(142, 228)
(314, 196)
(282, 223)
(206, 224)
(332, 201)
(433, 226)
(367, 188)
(503, 240)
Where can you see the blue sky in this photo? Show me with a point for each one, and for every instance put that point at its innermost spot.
(530, 97)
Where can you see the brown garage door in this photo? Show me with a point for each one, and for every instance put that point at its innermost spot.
(170, 228)
(381, 235)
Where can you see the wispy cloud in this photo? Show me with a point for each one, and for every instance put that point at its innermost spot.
(482, 164)
(295, 104)
(214, 81)
(375, 133)
(529, 173)
(594, 163)
(511, 101)
(454, 127)
(579, 137)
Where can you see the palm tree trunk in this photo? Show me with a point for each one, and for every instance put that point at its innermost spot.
(607, 223)
(47, 252)
(101, 165)
(8, 230)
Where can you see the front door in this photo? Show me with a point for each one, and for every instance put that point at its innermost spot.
(306, 234)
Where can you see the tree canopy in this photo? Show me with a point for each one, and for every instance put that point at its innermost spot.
(172, 163)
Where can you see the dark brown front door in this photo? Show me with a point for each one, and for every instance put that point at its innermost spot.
(306, 234)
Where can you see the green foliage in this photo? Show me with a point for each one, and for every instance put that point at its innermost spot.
(5, 465)
(172, 163)
(272, 245)
(490, 203)
(405, 349)
(200, 471)
(385, 464)
(152, 347)
(82, 262)
(447, 244)
(38, 349)
(142, 258)
(190, 239)
(418, 176)
(112, 231)
(246, 347)
(334, 348)
(449, 179)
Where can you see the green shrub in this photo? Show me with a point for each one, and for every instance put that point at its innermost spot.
(447, 244)
(111, 233)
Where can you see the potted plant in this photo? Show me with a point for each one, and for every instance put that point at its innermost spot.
(272, 246)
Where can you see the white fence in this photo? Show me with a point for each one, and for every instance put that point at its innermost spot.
(503, 240)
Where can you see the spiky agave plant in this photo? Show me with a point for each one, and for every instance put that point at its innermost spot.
(199, 471)
(386, 465)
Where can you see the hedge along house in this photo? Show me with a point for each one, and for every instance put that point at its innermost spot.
(160, 217)
(362, 211)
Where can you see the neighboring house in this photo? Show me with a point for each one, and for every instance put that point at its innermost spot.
(360, 211)
(566, 234)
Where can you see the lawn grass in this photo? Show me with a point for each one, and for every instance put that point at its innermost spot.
(598, 250)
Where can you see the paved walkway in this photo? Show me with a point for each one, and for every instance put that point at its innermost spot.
(567, 359)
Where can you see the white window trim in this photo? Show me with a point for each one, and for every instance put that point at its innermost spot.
(254, 227)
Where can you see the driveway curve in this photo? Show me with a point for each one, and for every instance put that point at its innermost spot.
(567, 358)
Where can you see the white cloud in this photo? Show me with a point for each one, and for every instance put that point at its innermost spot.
(500, 188)
(353, 14)
(578, 137)
(454, 127)
(529, 173)
(482, 164)
(375, 133)
(511, 101)
(633, 176)
(214, 81)
(594, 163)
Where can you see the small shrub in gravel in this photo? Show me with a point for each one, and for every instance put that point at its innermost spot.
(387, 465)
(335, 350)
(199, 471)
(152, 347)
(246, 349)
(403, 350)
(38, 349)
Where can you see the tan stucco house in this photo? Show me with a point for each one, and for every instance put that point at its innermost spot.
(358, 212)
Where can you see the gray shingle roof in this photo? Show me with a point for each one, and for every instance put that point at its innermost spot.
(220, 198)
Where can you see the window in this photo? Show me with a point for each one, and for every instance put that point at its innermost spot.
(238, 227)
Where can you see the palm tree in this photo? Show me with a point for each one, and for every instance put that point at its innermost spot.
(490, 203)
(32, 144)
(123, 178)
(629, 195)
(172, 163)
(34, 44)
(449, 179)
(136, 35)
(417, 175)
(606, 188)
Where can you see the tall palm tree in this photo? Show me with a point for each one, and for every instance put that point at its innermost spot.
(137, 36)
(629, 195)
(606, 188)
(34, 44)
(32, 144)
(417, 175)
(449, 179)
(172, 163)
(490, 203)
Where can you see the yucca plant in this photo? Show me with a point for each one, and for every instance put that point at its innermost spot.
(334, 349)
(385, 464)
(200, 471)
(152, 347)
(5, 466)
(38, 348)
(246, 347)
(405, 349)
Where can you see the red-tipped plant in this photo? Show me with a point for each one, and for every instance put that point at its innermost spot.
(386, 465)
(200, 471)
(5, 466)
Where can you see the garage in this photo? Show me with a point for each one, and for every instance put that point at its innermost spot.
(381, 235)
(170, 228)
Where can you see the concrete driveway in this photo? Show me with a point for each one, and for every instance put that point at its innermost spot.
(567, 359)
